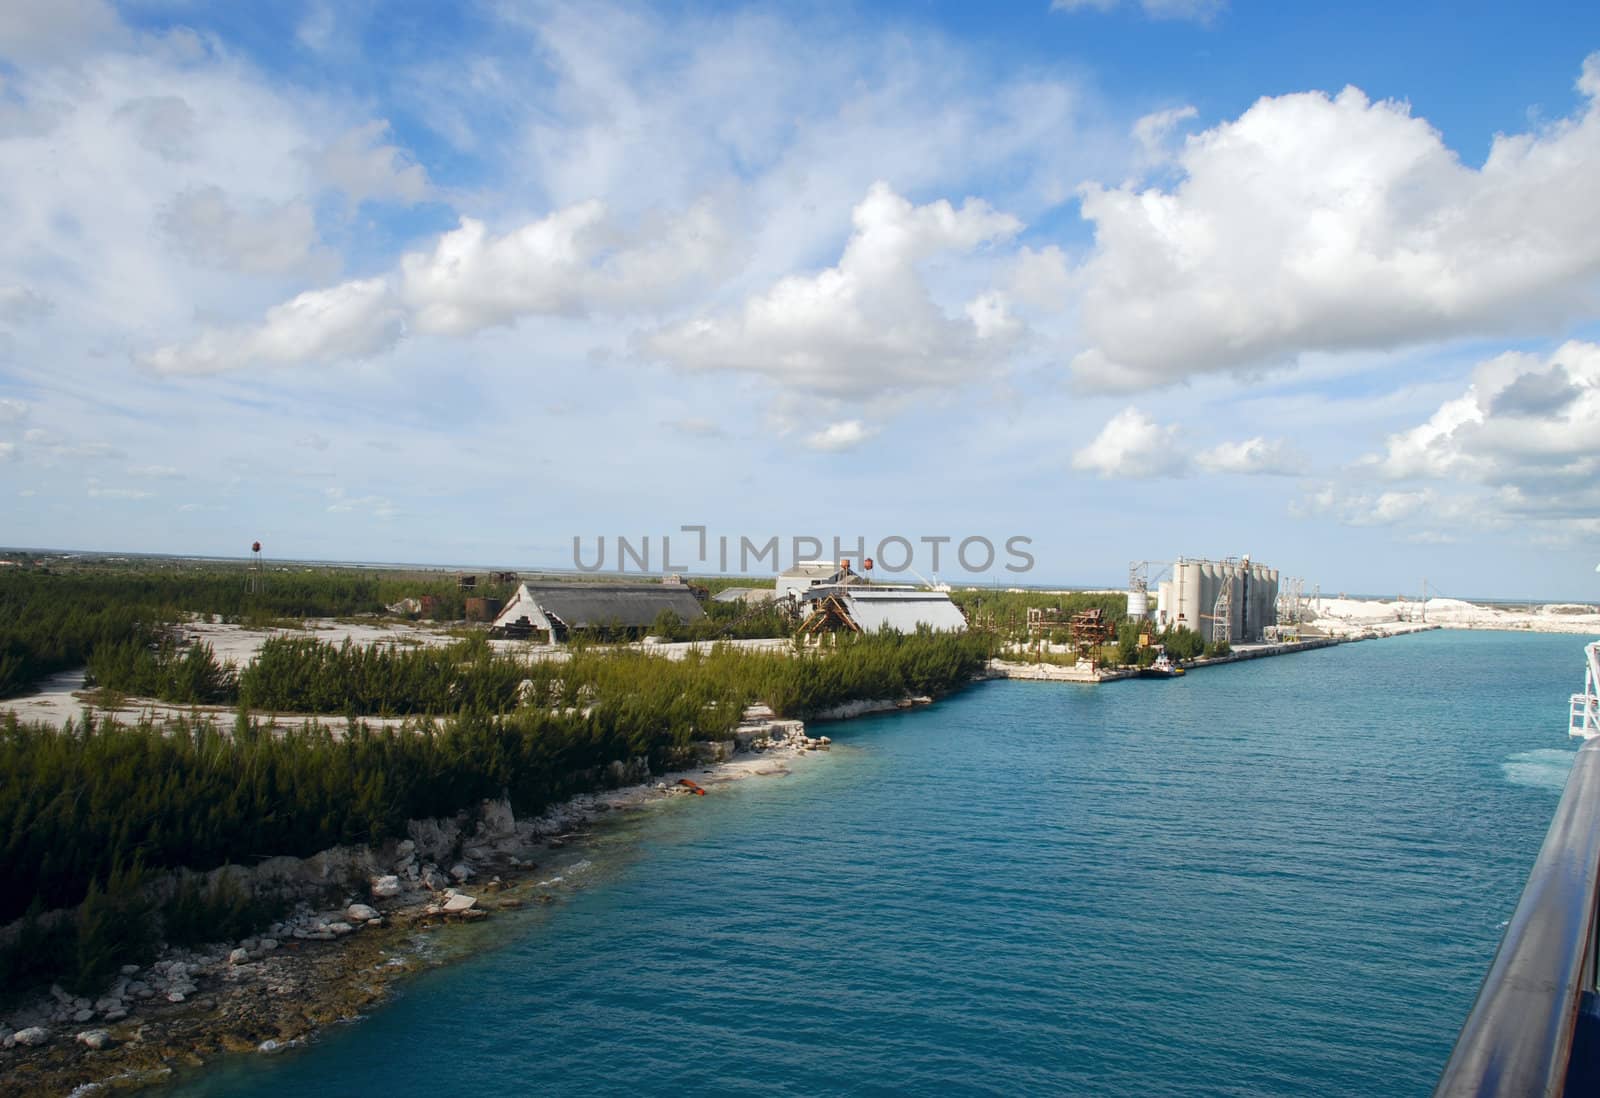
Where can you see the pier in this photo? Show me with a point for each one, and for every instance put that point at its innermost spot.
(1086, 674)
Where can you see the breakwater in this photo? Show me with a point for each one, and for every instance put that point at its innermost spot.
(1089, 675)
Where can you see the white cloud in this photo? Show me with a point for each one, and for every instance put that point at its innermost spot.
(1131, 444)
(1154, 132)
(8, 451)
(97, 490)
(12, 410)
(352, 320)
(342, 504)
(19, 304)
(155, 472)
(1200, 11)
(1255, 456)
(1527, 425)
(32, 32)
(362, 166)
(1318, 223)
(868, 325)
(268, 239)
(569, 263)
(836, 437)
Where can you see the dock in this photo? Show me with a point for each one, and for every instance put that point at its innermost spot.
(1091, 675)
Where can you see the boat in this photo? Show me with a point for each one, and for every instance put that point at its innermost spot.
(1163, 668)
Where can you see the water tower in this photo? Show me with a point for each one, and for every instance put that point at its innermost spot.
(252, 583)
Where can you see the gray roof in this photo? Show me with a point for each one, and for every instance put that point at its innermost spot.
(899, 607)
(744, 594)
(629, 605)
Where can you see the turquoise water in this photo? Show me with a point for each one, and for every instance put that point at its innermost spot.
(1281, 877)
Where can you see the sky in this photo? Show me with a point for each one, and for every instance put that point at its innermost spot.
(1123, 279)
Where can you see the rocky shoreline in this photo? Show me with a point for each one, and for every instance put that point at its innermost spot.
(332, 961)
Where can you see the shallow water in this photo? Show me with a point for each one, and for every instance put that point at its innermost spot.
(1280, 877)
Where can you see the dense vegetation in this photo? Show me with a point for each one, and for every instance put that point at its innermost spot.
(53, 621)
(87, 808)
(1006, 612)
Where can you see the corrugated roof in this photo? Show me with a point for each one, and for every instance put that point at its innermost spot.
(811, 569)
(902, 609)
(628, 605)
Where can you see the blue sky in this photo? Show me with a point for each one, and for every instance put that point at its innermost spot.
(1129, 278)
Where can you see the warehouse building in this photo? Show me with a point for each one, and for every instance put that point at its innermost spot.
(867, 608)
(553, 611)
(1240, 594)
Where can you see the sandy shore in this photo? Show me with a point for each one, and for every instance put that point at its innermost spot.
(1343, 616)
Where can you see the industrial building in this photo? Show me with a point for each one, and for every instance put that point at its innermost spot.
(794, 582)
(1228, 599)
(553, 611)
(866, 608)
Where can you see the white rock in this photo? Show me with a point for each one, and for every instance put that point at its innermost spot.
(361, 913)
(175, 996)
(459, 902)
(269, 1046)
(32, 1037)
(384, 887)
(461, 871)
(239, 956)
(341, 928)
(269, 944)
(96, 1039)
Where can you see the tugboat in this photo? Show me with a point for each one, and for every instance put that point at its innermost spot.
(1163, 668)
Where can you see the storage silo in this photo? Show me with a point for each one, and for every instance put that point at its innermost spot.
(1138, 604)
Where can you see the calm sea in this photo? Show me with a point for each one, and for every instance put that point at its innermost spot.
(1275, 878)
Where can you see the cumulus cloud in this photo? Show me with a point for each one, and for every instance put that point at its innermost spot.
(1200, 11)
(869, 324)
(352, 320)
(1527, 424)
(1253, 456)
(1131, 444)
(363, 165)
(268, 239)
(571, 262)
(836, 437)
(1335, 223)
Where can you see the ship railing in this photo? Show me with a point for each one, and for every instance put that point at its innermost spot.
(1523, 1035)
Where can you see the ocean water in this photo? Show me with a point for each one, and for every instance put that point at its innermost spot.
(1283, 877)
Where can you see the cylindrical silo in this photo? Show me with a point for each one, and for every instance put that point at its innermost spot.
(1138, 604)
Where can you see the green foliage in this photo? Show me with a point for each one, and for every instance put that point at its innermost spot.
(1183, 644)
(196, 914)
(1008, 610)
(53, 622)
(1217, 648)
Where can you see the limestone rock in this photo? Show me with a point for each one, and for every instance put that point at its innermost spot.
(268, 945)
(239, 956)
(385, 887)
(340, 929)
(32, 1037)
(361, 913)
(461, 871)
(96, 1039)
(458, 903)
